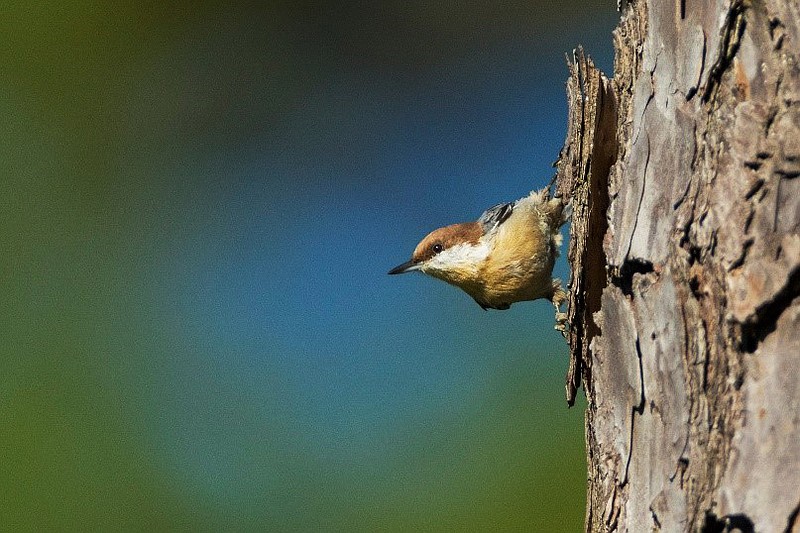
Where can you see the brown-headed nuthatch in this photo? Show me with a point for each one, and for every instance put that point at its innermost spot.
(506, 256)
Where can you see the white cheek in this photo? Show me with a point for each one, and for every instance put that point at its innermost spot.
(459, 257)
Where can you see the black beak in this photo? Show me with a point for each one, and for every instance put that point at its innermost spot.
(402, 269)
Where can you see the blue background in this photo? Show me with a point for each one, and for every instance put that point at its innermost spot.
(199, 208)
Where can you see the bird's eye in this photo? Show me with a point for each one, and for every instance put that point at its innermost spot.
(437, 247)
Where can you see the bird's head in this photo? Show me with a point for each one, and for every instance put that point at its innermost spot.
(452, 253)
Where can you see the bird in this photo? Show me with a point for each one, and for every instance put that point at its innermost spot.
(504, 257)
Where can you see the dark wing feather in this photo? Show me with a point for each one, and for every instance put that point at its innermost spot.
(485, 306)
(495, 215)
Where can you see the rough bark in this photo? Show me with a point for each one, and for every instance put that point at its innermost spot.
(684, 173)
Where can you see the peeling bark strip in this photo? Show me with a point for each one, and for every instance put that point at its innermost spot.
(583, 176)
(684, 317)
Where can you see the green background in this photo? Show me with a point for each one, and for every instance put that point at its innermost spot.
(199, 206)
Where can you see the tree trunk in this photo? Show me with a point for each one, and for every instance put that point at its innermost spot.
(684, 317)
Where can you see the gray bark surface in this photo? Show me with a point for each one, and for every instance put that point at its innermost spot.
(684, 297)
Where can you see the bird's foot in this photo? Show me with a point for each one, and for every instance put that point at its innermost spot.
(559, 297)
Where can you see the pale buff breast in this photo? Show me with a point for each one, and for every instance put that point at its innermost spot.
(521, 259)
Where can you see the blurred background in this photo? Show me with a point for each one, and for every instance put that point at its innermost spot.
(199, 207)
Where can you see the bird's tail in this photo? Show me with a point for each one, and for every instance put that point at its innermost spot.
(554, 210)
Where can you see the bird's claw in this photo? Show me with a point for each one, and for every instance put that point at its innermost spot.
(561, 318)
(561, 324)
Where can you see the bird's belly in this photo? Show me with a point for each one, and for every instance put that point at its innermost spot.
(517, 281)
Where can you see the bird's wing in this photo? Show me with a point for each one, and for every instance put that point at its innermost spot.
(495, 215)
(485, 306)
